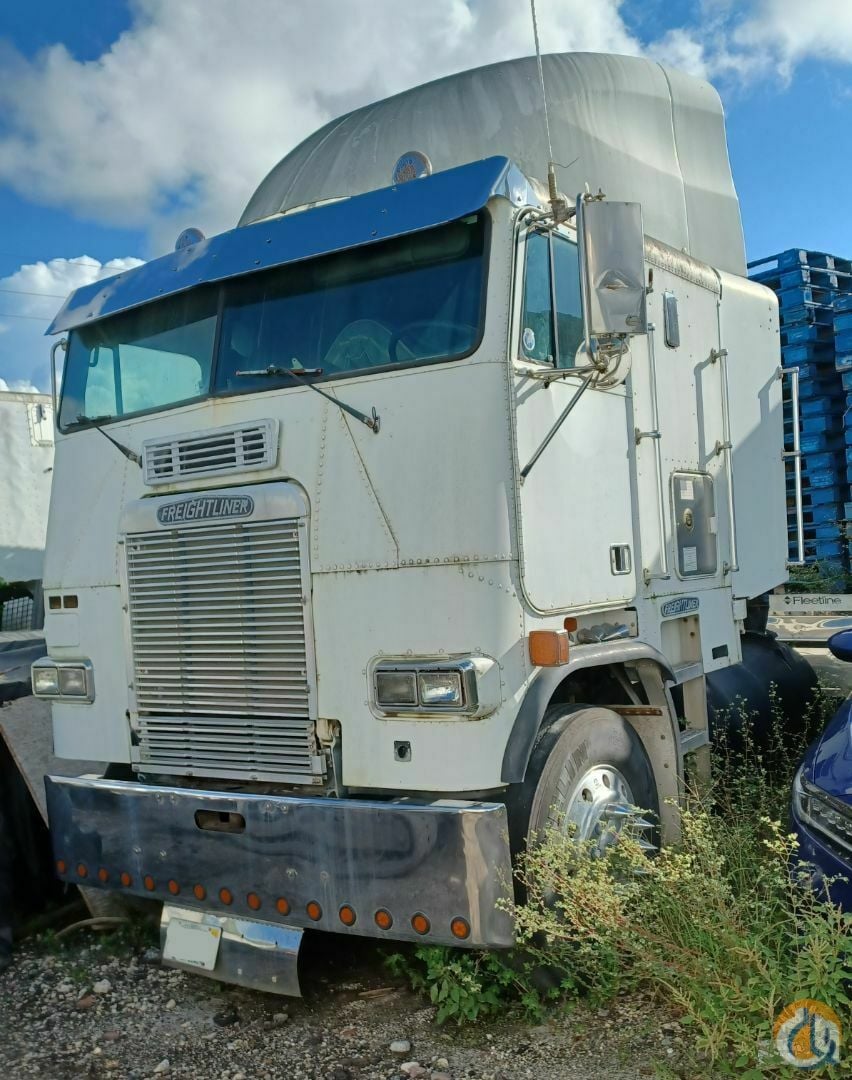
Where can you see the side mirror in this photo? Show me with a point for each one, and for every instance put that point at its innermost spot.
(612, 267)
(840, 645)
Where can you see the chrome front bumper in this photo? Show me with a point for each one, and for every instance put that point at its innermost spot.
(298, 862)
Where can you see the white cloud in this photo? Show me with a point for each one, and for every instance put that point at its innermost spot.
(785, 32)
(32, 295)
(18, 386)
(180, 119)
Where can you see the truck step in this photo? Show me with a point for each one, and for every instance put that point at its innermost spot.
(692, 739)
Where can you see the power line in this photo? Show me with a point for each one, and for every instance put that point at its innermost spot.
(35, 318)
(24, 292)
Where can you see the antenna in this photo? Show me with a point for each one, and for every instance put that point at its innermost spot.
(558, 203)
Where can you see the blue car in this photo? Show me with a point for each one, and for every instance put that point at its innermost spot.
(822, 797)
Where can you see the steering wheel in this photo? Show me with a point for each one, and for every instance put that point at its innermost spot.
(442, 324)
(362, 344)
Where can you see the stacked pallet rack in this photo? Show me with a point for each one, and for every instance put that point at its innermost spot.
(843, 363)
(810, 286)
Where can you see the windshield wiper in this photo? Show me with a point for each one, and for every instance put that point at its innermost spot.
(373, 422)
(96, 422)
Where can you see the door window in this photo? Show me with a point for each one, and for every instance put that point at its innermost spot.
(551, 284)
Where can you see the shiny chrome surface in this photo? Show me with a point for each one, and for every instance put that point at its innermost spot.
(363, 219)
(465, 669)
(235, 448)
(445, 858)
(259, 955)
(223, 668)
(796, 456)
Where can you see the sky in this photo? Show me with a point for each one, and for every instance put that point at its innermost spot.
(124, 121)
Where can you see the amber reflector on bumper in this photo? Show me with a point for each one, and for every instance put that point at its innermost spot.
(314, 910)
(226, 896)
(282, 906)
(81, 870)
(460, 928)
(199, 892)
(421, 924)
(549, 648)
(253, 901)
(61, 866)
(148, 882)
(174, 888)
(126, 880)
(103, 875)
(383, 919)
(347, 915)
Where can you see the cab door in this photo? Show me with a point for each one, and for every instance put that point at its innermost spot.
(575, 505)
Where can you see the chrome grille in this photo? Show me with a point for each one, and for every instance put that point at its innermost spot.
(237, 448)
(222, 673)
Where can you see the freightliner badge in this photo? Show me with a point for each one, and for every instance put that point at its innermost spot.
(206, 507)
(684, 605)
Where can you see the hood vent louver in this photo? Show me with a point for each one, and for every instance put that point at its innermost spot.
(237, 448)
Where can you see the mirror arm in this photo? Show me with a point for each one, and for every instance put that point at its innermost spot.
(61, 344)
(527, 469)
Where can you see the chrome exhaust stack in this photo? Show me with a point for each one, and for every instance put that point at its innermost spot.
(245, 952)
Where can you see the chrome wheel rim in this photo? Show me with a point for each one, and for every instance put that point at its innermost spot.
(600, 808)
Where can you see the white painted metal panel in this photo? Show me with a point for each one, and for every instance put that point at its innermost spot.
(749, 331)
(26, 462)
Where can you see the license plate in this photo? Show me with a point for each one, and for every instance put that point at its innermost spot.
(192, 943)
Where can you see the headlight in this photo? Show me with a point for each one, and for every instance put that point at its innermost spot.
(45, 681)
(72, 680)
(440, 688)
(430, 686)
(396, 688)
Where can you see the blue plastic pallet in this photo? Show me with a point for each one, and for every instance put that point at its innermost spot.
(810, 353)
(810, 275)
(843, 341)
(818, 496)
(843, 321)
(846, 380)
(804, 294)
(843, 362)
(808, 332)
(819, 549)
(843, 303)
(807, 313)
(828, 404)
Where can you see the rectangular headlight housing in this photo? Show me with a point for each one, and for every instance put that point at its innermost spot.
(441, 688)
(64, 680)
(45, 680)
(72, 681)
(426, 686)
(396, 688)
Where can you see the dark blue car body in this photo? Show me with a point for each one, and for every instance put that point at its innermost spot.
(822, 808)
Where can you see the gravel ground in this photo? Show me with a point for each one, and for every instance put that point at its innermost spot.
(102, 1007)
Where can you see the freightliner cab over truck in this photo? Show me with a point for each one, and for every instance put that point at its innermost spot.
(410, 515)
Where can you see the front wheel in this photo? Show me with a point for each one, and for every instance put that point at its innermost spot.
(588, 773)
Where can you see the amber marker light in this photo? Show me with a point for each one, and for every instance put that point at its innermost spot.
(148, 882)
(174, 888)
(383, 919)
(103, 875)
(61, 866)
(570, 624)
(282, 906)
(314, 910)
(460, 928)
(199, 892)
(548, 648)
(253, 901)
(347, 915)
(82, 871)
(420, 923)
(126, 880)
(226, 896)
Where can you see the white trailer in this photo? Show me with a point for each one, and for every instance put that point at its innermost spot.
(410, 515)
(26, 469)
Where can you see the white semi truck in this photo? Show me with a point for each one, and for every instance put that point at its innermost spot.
(410, 515)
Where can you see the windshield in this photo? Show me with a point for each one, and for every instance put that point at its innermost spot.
(415, 299)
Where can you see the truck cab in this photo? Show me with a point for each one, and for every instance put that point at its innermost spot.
(387, 529)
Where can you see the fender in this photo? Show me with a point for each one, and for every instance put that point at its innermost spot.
(545, 684)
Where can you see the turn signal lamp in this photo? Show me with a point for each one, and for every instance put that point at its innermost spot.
(549, 648)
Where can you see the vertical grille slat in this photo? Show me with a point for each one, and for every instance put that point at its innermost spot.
(220, 661)
(236, 448)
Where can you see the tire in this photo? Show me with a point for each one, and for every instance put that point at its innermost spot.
(583, 750)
